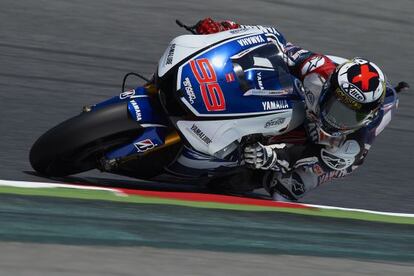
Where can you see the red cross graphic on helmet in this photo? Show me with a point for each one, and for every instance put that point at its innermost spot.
(364, 77)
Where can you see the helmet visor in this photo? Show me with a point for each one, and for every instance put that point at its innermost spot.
(337, 115)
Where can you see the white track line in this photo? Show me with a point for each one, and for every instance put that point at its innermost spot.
(362, 211)
(28, 184)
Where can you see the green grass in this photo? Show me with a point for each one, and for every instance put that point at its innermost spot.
(110, 196)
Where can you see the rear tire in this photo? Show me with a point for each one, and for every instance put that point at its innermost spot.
(77, 144)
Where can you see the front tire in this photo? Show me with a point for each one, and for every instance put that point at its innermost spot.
(76, 145)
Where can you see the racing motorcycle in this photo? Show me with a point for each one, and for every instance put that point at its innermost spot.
(210, 96)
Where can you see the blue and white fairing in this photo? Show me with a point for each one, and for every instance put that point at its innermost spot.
(237, 83)
(148, 118)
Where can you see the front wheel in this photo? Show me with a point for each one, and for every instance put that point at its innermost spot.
(77, 144)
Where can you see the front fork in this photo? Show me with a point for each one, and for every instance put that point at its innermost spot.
(154, 133)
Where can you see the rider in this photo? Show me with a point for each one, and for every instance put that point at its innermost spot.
(343, 112)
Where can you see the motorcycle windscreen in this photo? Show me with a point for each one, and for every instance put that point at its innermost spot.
(262, 72)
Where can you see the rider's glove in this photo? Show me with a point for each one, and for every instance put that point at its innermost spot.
(209, 26)
(263, 157)
(259, 156)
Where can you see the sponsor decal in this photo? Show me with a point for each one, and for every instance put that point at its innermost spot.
(259, 80)
(170, 55)
(230, 77)
(336, 162)
(137, 110)
(258, 92)
(312, 64)
(274, 122)
(189, 90)
(347, 100)
(360, 61)
(269, 30)
(144, 145)
(275, 105)
(353, 92)
(264, 29)
(237, 31)
(200, 134)
(251, 40)
(127, 94)
(331, 175)
(213, 96)
(298, 188)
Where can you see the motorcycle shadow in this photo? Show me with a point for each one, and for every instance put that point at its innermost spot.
(160, 184)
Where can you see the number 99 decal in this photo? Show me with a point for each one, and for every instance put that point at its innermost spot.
(211, 92)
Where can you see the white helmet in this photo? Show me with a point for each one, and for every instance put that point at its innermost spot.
(352, 96)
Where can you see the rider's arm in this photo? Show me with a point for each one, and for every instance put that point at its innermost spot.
(313, 165)
(311, 68)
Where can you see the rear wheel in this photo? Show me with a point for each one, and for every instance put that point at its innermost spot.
(77, 144)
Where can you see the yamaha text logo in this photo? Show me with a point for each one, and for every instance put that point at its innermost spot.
(200, 134)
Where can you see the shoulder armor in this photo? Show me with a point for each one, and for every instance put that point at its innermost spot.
(340, 158)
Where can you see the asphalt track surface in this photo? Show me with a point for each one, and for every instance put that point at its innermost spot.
(56, 56)
(58, 236)
(33, 260)
(87, 222)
